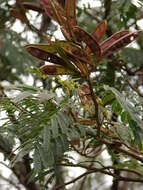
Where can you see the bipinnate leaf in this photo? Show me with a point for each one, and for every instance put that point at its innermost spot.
(118, 41)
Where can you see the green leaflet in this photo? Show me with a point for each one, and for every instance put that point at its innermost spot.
(37, 160)
(54, 128)
(46, 138)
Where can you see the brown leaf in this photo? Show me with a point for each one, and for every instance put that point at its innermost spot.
(44, 55)
(97, 33)
(51, 69)
(118, 41)
(82, 35)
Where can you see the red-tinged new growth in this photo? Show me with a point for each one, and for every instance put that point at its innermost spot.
(77, 59)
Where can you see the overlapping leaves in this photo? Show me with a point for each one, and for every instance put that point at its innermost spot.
(74, 57)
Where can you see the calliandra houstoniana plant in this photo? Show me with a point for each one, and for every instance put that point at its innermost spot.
(72, 56)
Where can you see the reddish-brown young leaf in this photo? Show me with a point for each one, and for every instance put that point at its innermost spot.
(120, 42)
(82, 35)
(50, 69)
(98, 33)
(99, 30)
(113, 38)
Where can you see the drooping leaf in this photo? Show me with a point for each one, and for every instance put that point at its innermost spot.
(118, 41)
(98, 33)
(82, 35)
(50, 69)
(47, 53)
